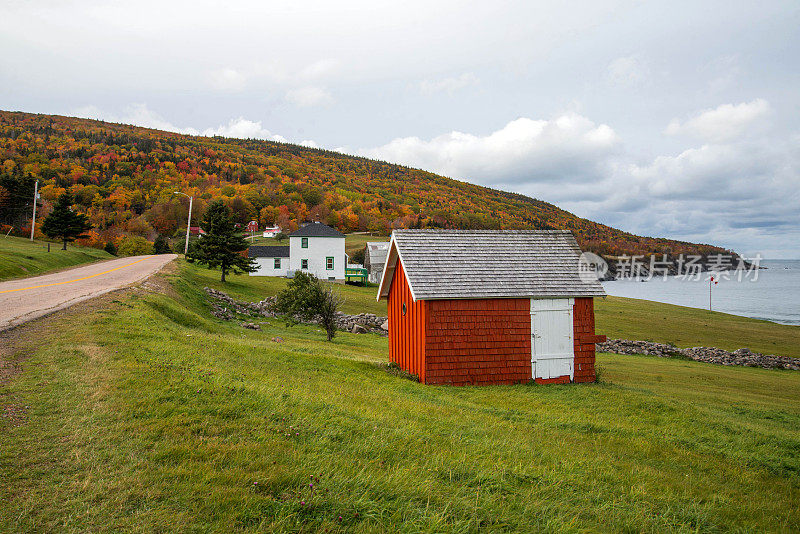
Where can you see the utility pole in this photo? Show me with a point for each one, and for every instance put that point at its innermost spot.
(188, 222)
(35, 196)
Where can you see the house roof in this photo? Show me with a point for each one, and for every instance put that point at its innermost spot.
(316, 229)
(268, 252)
(377, 251)
(474, 264)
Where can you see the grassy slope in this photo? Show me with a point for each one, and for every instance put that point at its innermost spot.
(357, 298)
(617, 317)
(152, 416)
(355, 242)
(620, 317)
(20, 257)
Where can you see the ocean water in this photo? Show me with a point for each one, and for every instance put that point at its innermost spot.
(774, 295)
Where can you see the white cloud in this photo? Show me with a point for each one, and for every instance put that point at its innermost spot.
(628, 71)
(309, 96)
(140, 115)
(243, 129)
(723, 123)
(448, 85)
(137, 113)
(227, 79)
(523, 150)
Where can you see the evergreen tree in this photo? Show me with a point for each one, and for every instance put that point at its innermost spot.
(63, 223)
(221, 246)
(161, 246)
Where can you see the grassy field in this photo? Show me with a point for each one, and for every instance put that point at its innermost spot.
(152, 416)
(617, 317)
(357, 299)
(21, 257)
(355, 242)
(620, 317)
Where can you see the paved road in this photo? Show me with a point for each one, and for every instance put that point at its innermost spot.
(28, 298)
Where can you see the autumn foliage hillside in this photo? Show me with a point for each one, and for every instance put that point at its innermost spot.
(124, 178)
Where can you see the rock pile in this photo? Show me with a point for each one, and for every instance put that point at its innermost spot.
(742, 357)
(362, 323)
(225, 307)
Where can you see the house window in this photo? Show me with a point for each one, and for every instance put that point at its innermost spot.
(329, 263)
(304, 264)
(277, 263)
(303, 242)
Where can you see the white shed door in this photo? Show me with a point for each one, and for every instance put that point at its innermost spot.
(552, 349)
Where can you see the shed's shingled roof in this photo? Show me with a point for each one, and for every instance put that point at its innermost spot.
(268, 252)
(316, 229)
(474, 264)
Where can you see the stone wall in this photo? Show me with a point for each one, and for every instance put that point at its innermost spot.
(225, 307)
(742, 357)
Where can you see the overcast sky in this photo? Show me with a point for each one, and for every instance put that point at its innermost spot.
(677, 119)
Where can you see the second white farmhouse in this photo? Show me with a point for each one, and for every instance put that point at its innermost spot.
(318, 249)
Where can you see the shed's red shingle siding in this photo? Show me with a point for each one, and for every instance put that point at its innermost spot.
(584, 338)
(406, 332)
(486, 341)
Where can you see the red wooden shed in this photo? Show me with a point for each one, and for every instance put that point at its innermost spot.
(490, 306)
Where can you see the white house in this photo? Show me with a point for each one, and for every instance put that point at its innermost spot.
(271, 231)
(270, 261)
(318, 249)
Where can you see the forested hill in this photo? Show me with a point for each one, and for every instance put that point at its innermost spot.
(124, 177)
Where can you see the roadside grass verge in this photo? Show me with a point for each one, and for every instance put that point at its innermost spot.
(151, 415)
(21, 257)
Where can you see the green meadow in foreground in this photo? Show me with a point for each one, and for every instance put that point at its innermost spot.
(152, 416)
(20, 257)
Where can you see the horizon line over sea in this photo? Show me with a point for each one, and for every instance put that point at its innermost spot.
(773, 296)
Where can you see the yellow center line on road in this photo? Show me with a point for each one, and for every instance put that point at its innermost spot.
(76, 280)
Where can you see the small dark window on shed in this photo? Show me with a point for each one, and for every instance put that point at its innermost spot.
(404, 308)
(304, 264)
(277, 263)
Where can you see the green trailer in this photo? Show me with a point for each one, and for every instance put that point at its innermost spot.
(356, 274)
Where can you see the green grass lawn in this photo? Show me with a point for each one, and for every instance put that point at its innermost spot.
(152, 416)
(617, 317)
(357, 299)
(20, 257)
(620, 317)
(355, 242)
